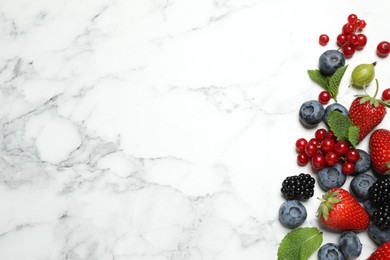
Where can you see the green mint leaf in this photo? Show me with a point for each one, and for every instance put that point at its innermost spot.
(339, 124)
(300, 244)
(343, 128)
(318, 78)
(353, 135)
(334, 82)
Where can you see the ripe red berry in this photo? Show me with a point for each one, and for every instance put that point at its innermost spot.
(349, 51)
(302, 159)
(311, 149)
(318, 161)
(362, 24)
(320, 134)
(341, 147)
(323, 39)
(352, 18)
(314, 141)
(331, 135)
(352, 155)
(331, 158)
(362, 41)
(327, 145)
(383, 49)
(348, 28)
(342, 39)
(386, 94)
(353, 39)
(300, 144)
(348, 168)
(357, 23)
(324, 97)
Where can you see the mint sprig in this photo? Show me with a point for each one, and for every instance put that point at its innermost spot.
(300, 244)
(343, 128)
(329, 83)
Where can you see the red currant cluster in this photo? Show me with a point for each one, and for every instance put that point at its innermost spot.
(324, 150)
(349, 39)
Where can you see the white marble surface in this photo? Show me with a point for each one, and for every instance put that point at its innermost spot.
(160, 129)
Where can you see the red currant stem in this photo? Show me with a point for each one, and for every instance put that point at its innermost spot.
(342, 46)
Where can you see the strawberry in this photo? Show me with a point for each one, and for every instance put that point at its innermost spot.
(379, 146)
(339, 211)
(367, 112)
(381, 253)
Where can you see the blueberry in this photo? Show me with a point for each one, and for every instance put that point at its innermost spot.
(360, 185)
(330, 61)
(350, 244)
(292, 213)
(331, 177)
(364, 162)
(311, 112)
(335, 107)
(330, 251)
(379, 236)
(369, 207)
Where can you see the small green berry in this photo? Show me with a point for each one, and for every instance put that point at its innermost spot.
(362, 75)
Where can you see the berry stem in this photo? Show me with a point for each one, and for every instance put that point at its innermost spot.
(377, 87)
(342, 46)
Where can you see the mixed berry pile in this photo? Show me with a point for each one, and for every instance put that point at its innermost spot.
(333, 154)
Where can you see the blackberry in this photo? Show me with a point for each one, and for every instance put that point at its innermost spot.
(381, 217)
(379, 192)
(299, 187)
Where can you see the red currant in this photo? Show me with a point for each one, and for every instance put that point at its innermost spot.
(331, 158)
(386, 94)
(320, 134)
(357, 23)
(331, 135)
(352, 155)
(362, 24)
(352, 18)
(342, 39)
(327, 145)
(324, 97)
(348, 168)
(349, 51)
(348, 28)
(311, 149)
(318, 161)
(300, 144)
(383, 49)
(341, 147)
(315, 142)
(362, 41)
(324, 39)
(353, 39)
(302, 159)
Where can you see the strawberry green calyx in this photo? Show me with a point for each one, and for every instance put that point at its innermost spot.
(373, 100)
(327, 201)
